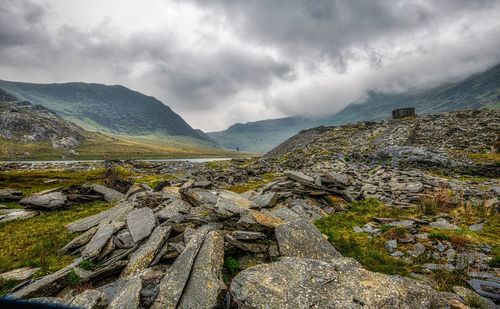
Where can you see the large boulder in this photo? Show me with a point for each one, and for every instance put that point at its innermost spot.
(303, 240)
(45, 200)
(307, 283)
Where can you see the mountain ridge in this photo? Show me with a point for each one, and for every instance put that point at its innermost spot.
(474, 92)
(106, 108)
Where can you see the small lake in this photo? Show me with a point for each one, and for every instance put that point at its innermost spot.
(194, 160)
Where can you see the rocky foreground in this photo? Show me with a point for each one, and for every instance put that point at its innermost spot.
(167, 250)
(172, 246)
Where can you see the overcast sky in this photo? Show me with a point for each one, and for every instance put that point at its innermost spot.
(220, 62)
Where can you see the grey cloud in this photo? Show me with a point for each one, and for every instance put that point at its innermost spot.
(274, 58)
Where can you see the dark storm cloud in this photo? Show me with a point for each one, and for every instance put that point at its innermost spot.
(235, 60)
(337, 29)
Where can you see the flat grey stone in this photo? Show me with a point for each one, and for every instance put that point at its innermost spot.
(417, 250)
(391, 245)
(467, 294)
(306, 283)
(7, 215)
(357, 229)
(403, 223)
(486, 288)
(100, 239)
(110, 195)
(129, 296)
(443, 225)
(247, 235)
(303, 240)
(299, 177)
(89, 299)
(45, 201)
(286, 214)
(173, 208)
(141, 258)
(415, 187)
(79, 240)
(172, 286)
(47, 285)
(10, 195)
(19, 274)
(266, 200)
(205, 286)
(91, 221)
(141, 223)
(476, 227)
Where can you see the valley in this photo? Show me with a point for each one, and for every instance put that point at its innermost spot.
(407, 206)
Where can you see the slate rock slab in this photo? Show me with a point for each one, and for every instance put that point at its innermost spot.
(266, 200)
(20, 274)
(172, 286)
(10, 195)
(89, 299)
(47, 285)
(306, 283)
(205, 286)
(129, 296)
(141, 223)
(110, 195)
(100, 239)
(45, 200)
(443, 225)
(302, 239)
(299, 177)
(7, 215)
(141, 258)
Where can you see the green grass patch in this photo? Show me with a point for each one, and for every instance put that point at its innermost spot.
(251, 185)
(369, 252)
(36, 241)
(231, 265)
(37, 180)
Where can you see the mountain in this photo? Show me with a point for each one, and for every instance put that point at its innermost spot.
(23, 122)
(34, 132)
(108, 109)
(481, 90)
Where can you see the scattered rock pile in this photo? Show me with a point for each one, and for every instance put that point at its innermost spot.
(64, 197)
(166, 249)
(451, 142)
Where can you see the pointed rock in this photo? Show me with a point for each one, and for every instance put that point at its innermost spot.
(205, 286)
(302, 239)
(79, 240)
(141, 258)
(100, 239)
(175, 280)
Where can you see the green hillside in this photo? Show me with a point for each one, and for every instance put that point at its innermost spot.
(109, 109)
(478, 91)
